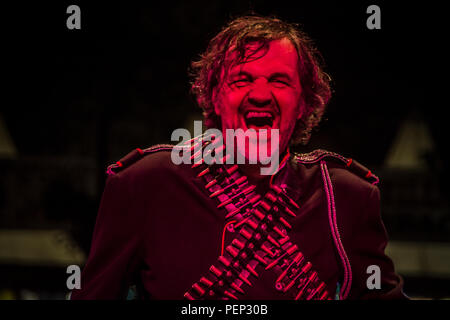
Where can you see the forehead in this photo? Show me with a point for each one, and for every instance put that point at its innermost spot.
(280, 56)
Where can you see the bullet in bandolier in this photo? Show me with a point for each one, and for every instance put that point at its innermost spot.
(316, 291)
(260, 259)
(252, 201)
(271, 197)
(231, 250)
(229, 171)
(280, 191)
(232, 169)
(213, 147)
(302, 271)
(225, 261)
(265, 205)
(211, 183)
(225, 203)
(197, 164)
(311, 278)
(266, 249)
(279, 231)
(242, 222)
(307, 267)
(188, 296)
(241, 276)
(239, 209)
(216, 193)
(289, 211)
(238, 182)
(194, 145)
(273, 241)
(201, 139)
(215, 271)
(234, 252)
(221, 161)
(243, 192)
(287, 252)
(230, 295)
(206, 282)
(286, 224)
(224, 159)
(245, 233)
(289, 285)
(324, 295)
(282, 241)
(291, 249)
(297, 259)
(285, 207)
(236, 287)
(198, 289)
(248, 236)
(203, 172)
(196, 155)
(252, 224)
(252, 271)
(259, 214)
(238, 244)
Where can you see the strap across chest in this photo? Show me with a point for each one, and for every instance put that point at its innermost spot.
(261, 225)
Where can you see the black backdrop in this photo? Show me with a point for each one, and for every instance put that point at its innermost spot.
(130, 61)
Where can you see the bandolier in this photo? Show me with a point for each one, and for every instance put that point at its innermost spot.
(261, 241)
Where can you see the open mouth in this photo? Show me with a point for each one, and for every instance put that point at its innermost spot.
(259, 120)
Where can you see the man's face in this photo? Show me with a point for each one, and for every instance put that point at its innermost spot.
(264, 93)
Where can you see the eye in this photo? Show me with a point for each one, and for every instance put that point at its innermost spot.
(279, 83)
(240, 82)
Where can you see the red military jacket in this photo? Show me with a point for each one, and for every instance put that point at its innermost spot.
(158, 228)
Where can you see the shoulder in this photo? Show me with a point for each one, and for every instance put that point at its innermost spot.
(139, 161)
(344, 172)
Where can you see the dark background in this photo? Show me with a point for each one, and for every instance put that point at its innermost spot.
(78, 100)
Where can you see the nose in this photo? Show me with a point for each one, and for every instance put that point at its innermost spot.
(260, 94)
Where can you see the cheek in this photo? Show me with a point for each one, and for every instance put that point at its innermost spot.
(228, 102)
(290, 106)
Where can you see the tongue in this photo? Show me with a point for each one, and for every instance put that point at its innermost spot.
(253, 126)
(259, 123)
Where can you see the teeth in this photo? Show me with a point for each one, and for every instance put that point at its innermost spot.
(254, 114)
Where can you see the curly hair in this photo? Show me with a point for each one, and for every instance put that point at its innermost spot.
(235, 37)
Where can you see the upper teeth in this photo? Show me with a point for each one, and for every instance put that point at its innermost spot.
(254, 114)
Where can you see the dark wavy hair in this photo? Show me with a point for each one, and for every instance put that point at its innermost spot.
(235, 37)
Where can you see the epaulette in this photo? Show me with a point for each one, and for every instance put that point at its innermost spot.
(135, 156)
(351, 164)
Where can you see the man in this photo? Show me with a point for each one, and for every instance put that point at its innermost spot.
(310, 230)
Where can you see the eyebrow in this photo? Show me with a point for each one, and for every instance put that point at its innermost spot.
(240, 73)
(280, 75)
